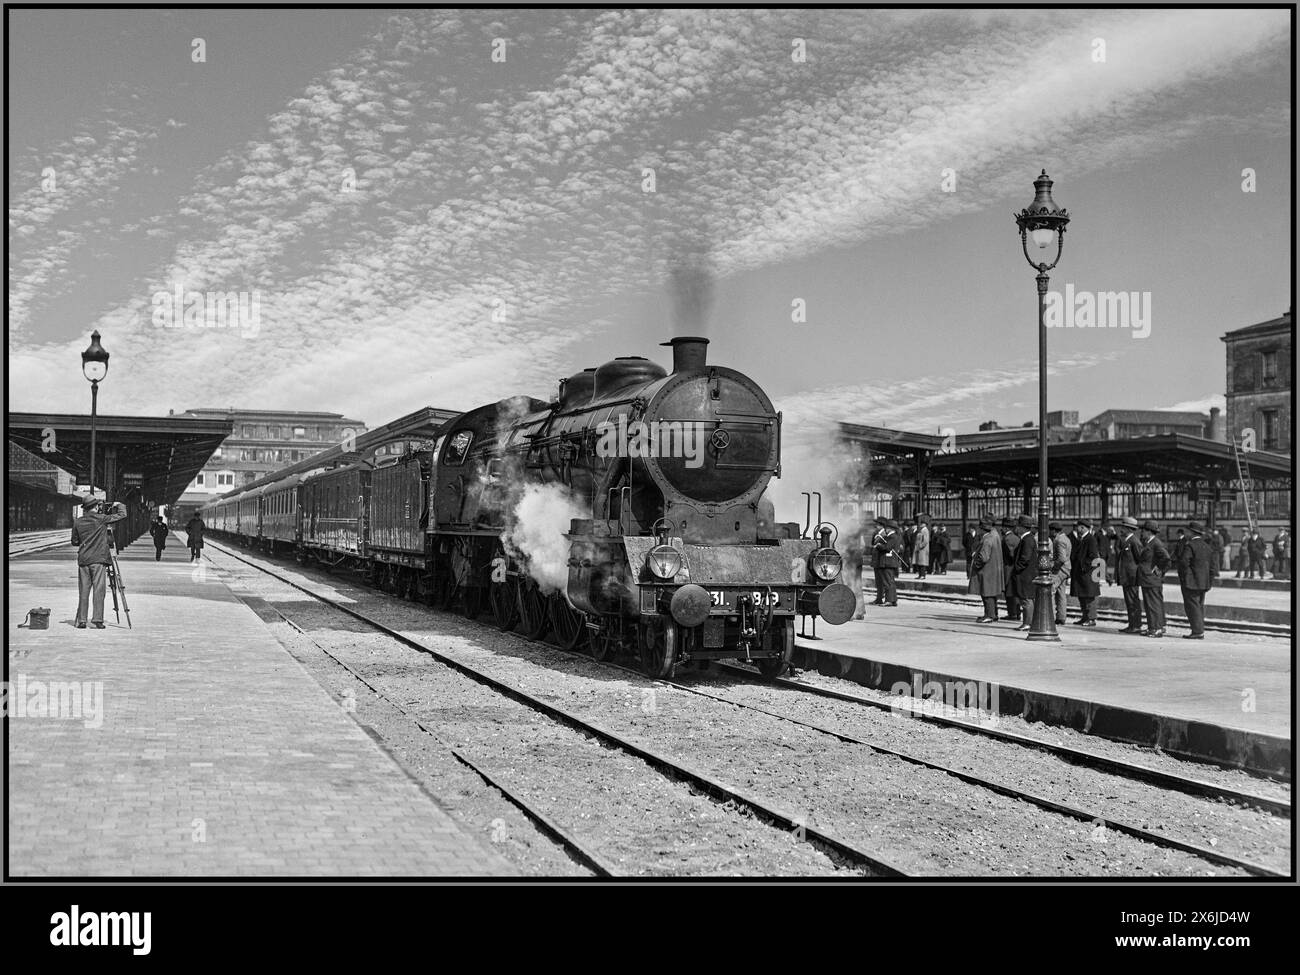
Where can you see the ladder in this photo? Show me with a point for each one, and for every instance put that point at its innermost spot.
(1247, 487)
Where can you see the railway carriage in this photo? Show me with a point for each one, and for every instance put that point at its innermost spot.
(248, 518)
(282, 514)
(398, 542)
(334, 514)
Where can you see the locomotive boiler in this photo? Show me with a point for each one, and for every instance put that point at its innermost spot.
(670, 548)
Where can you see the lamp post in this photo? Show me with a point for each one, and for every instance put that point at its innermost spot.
(1042, 224)
(94, 366)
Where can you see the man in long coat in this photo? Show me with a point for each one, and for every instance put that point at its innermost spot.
(1196, 576)
(1025, 570)
(875, 563)
(1255, 548)
(1062, 547)
(194, 536)
(921, 546)
(1009, 542)
(940, 554)
(985, 571)
(970, 541)
(1126, 573)
(1087, 568)
(1153, 563)
(888, 546)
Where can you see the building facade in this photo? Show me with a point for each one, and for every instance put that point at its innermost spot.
(1259, 363)
(263, 441)
(1125, 424)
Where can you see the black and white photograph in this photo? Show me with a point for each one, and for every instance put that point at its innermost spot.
(688, 446)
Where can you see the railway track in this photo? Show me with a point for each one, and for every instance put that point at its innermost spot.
(37, 542)
(705, 783)
(712, 786)
(1111, 616)
(1075, 756)
(566, 841)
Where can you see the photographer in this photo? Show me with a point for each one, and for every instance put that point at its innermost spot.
(90, 534)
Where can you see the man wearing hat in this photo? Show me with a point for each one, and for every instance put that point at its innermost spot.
(1126, 573)
(985, 570)
(875, 563)
(1062, 546)
(1087, 569)
(1153, 563)
(921, 546)
(887, 546)
(1025, 570)
(1196, 576)
(90, 535)
(1010, 540)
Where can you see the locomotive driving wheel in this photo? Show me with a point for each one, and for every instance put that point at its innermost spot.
(472, 601)
(568, 626)
(504, 597)
(660, 643)
(774, 667)
(533, 618)
(603, 643)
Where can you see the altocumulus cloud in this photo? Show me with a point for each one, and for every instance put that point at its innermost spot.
(424, 225)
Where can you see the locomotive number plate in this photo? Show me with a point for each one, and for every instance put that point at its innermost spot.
(729, 599)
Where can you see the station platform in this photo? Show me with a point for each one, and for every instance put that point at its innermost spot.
(194, 745)
(1225, 699)
(1272, 606)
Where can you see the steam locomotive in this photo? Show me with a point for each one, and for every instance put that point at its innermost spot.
(672, 551)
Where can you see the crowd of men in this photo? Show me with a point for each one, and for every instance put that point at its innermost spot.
(1002, 564)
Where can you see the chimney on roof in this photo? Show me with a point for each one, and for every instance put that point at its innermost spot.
(1216, 429)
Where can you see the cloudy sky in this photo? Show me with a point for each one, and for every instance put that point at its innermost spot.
(443, 208)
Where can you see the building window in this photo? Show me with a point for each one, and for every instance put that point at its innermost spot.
(300, 431)
(1269, 367)
(225, 480)
(1270, 433)
(198, 480)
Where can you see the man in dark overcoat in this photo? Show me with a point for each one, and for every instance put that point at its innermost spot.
(1025, 570)
(875, 563)
(1255, 549)
(1153, 563)
(194, 536)
(888, 552)
(1010, 540)
(1196, 577)
(1087, 569)
(1126, 573)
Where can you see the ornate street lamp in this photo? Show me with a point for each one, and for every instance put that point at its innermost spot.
(1042, 224)
(94, 366)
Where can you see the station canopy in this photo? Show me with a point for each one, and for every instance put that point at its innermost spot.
(1009, 458)
(158, 455)
(1160, 458)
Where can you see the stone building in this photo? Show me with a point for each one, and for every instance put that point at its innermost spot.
(1259, 383)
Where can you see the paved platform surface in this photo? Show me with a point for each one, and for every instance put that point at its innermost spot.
(212, 753)
(1213, 682)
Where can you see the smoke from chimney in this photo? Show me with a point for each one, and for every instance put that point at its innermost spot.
(692, 293)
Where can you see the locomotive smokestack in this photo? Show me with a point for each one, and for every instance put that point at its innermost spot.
(689, 353)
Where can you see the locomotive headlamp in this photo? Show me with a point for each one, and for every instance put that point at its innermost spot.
(664, 561)
(826, 563)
